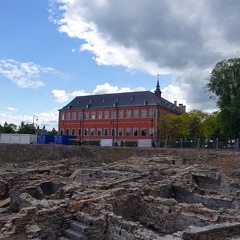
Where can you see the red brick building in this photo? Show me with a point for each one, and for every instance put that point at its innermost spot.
(117, 117)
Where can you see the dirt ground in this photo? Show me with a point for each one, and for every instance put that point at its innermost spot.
(64, 160)
(21, 155)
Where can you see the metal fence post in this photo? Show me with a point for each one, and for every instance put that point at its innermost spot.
(236, 145)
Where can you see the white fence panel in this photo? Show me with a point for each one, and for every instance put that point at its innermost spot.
(106, 142)
(18, 138)
(144, 143)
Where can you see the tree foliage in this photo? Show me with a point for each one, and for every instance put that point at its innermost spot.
(53, 132)
(224, 86)
(26, 128)
(192, 125)
(8, 128)
(213, 125)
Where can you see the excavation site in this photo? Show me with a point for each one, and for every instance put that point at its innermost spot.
(113, 193)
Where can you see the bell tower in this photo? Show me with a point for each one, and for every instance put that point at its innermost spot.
(157, 90)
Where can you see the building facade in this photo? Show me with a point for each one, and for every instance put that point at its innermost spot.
(129, 116)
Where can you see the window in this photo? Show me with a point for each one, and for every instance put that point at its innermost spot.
(128, 132)
(62, 116)
(67, 132)
(73, 131)
(79, 132)
(92, 132)
(85, 131)
(120, 132)
(121, 114)
(128, 114)
(113, 132)
(105, 131)
(114, 114)
(135, 132)
(151, 113)
(106, 114)
(80, 115)
(143, 113)
(135, 113)
(68, 116)
(93, 115)
(74, 116)
(99, 132)
(86, 115)
(143, 130)
(99, 115)
(151, 132)
(61, 132)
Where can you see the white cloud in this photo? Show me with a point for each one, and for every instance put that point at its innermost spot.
(107, 52)
(184, 38)
(107, 88)
(48, 119)
(24, 75)
(174, 93)
(59, 95)
(12, 109)
(62, 96)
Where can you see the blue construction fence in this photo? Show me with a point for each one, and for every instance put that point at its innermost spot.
(55, 139)
(201, 143)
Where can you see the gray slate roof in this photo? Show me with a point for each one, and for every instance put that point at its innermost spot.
(127, 99)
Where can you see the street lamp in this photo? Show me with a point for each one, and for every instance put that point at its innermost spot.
(152, 131)
(80, 133)
(113, 132)
(34, 118)
(82, 123)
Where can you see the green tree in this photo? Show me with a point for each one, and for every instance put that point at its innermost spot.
(26, 128)
(213, 125)
(165, 126)
(190, 125)
(224, 86)
(53, 132)
(196, 124)
(8, 128)
(173, 126)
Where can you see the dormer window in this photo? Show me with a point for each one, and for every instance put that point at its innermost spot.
(88, 106)
(145, 102)
(132, 98)
(69, 106)
(115, 104)
(104, 100)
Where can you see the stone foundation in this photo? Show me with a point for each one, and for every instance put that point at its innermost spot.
(156, 196)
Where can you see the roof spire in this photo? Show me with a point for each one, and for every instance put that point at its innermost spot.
(158, 91)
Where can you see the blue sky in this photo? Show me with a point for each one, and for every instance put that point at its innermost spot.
(52, 51)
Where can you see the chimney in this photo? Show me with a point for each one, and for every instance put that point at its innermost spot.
(181, 107)
(175, 103)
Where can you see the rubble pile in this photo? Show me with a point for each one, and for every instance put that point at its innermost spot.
(141, 197)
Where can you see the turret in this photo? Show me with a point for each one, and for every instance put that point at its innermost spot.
(158, 91)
